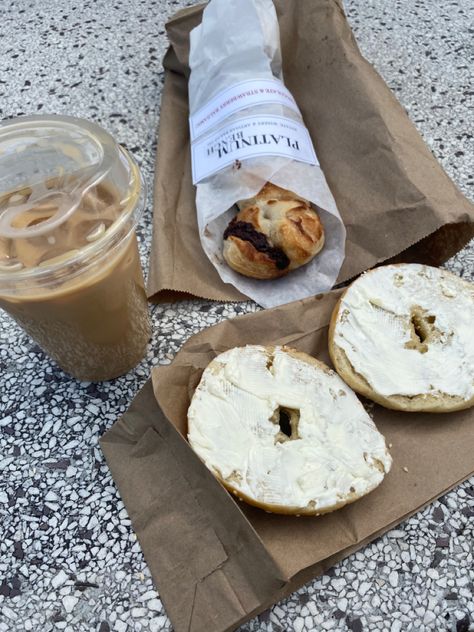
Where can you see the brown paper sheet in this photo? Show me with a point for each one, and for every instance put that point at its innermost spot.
(217, 562)
(393, 195)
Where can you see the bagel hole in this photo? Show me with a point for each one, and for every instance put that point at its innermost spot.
(284, 422)
(422, 329)
(288, 420)
(419, 327)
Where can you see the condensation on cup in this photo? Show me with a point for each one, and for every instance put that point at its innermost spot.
(70, 272)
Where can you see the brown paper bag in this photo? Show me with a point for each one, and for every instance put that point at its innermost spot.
(217, 562)
(393, 195)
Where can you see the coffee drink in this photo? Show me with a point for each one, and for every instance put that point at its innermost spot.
(70, 271)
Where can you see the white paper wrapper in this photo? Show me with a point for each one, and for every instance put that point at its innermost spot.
(239, 40)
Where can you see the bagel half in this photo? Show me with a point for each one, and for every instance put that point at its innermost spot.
(283, 432)
(403, 336)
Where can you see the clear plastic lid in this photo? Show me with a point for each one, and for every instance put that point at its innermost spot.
(66, 190)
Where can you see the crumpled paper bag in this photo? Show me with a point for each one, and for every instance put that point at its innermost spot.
(218, 562)
(395, 200)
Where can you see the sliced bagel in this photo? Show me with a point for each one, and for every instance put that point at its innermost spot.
(283, 432)
(403, 336)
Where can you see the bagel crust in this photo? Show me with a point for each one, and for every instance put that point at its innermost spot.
(283, 432)
(273, 233)
(402, 335)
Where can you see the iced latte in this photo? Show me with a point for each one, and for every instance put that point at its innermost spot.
(70, 272)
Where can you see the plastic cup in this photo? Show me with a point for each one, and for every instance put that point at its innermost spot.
(70, 272)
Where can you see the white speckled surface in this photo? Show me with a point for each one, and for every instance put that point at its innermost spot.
(68, 557)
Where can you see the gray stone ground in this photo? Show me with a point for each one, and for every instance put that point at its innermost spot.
(69, 559)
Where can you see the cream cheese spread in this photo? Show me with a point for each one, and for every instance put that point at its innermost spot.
(334, 452)
(385, 310)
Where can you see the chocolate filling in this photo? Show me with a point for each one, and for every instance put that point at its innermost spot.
(245, 231)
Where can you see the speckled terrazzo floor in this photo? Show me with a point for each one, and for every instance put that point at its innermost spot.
(68, 557)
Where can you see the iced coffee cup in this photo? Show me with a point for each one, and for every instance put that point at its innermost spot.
(70, 271)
